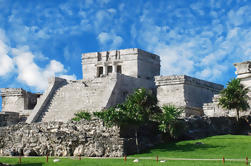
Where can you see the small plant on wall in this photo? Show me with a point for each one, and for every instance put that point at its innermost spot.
(82, 115)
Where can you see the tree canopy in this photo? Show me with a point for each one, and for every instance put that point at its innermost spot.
(137, 109)
(234, 96)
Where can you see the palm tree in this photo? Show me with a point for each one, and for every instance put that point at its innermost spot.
(137, 109)
(234, 96)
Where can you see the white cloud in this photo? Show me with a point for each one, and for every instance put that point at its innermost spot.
(6, 63)
(109, 40)
(175, 59)
(28, 72)
(31, 74)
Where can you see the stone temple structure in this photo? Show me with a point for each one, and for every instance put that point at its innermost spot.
(108, 77)
(243, 72)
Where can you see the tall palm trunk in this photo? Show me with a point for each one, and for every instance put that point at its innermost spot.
(238, 115)
(136, 140)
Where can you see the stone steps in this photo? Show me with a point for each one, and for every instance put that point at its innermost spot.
(83, 96)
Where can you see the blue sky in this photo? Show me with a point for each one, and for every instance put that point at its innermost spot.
(39, 39)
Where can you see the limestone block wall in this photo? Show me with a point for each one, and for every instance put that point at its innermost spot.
(18, 100)
(199, 91)
(133, 62)
(126, 85)
(12, 100)
(148, 65)
(184, 91)
(9, 118)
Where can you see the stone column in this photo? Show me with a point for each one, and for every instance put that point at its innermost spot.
(114, 68)
(243, 71)
(105, 70)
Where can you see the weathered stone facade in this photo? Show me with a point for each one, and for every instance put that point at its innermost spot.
(61, 139)
(131, 62)
(9, 118)
(108, 77)
(86, 138)
(186, 92)
(200, 127)
(18, 100)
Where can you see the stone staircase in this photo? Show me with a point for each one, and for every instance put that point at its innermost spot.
(54, 83)
(75, 96)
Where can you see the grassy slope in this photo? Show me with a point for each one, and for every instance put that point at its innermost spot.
(229, 146)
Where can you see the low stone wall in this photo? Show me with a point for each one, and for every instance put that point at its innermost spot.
(200, 127)
(9, 118)
(61, 139)
(86, 138)
(91, 138)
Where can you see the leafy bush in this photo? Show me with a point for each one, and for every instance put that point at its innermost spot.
(82, 115)
(168, 117)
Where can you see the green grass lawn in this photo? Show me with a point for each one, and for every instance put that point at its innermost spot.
(40, 161)
(229, 146)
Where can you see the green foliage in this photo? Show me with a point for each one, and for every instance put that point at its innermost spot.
(139, 106)
(111, 116)
(82, 115)
(136, 110)
(167, 119)
(234, 97)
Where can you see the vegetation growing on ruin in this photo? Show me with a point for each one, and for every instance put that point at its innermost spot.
(139, 108)
(82, 115)
(167, 118)
(234, 96)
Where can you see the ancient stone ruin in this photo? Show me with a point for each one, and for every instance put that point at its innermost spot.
(243, 72)
(108, 77)
(40, 124)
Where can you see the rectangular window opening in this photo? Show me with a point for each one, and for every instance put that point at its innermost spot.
(100, 71)
(109, 69)
(119, 69)
(99, 57)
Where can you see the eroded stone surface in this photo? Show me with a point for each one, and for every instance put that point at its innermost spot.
(61, 139)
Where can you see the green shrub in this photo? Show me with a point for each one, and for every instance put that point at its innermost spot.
(82, 115)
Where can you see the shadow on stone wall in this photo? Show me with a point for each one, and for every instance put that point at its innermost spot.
(201, 127)
(91, 138)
